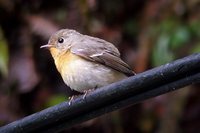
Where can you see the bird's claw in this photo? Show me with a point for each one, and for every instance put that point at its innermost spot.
(70, 100)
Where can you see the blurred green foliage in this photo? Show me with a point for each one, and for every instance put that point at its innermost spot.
(56, 99)
(170, 36)
(196, 49)
(130, 27)
(4, 55)
(179, 37)
(161, 52)
(195, 28)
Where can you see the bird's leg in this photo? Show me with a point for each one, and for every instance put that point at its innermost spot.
(87, 91)
(84, 96)
(70, 99)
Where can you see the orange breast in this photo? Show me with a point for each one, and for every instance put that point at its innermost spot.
(63, 59)
(80, 74)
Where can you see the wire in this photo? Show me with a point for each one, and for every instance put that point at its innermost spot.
(151, 83)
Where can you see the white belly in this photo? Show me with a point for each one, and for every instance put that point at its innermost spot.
(83, 75)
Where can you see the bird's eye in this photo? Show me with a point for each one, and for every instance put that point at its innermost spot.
(60, 40)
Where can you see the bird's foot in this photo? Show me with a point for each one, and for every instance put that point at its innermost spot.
(86, 92)
(84, 96)
(71, 99)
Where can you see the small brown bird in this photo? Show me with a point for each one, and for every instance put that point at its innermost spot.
(86, 62)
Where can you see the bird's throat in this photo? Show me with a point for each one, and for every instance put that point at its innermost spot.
(63, 59)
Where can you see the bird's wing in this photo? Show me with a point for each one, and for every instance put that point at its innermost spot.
(94, 49)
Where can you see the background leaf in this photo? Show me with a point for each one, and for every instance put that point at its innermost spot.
(4, 55)
(179, 37)
(56, 99)
(161, 53)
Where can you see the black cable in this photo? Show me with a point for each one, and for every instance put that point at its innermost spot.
(157, 81)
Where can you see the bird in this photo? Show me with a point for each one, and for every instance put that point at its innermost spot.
(85, 62)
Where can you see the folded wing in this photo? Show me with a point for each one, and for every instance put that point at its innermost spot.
(93, 49)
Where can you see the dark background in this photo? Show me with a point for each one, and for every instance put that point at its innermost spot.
(148, 33)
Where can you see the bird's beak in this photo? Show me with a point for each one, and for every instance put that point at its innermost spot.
(46, 46)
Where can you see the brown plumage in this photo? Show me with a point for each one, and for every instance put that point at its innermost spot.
(86, 62)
